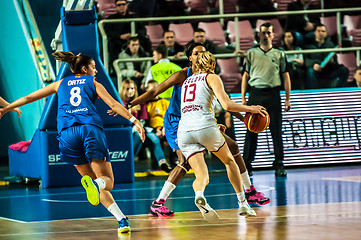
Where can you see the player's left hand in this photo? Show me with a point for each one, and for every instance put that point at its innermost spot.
(222, 128)
(18, 111)
(111, 112)
(287, 105)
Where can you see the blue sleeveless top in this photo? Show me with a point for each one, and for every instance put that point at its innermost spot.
(76, 99)
(175, 101)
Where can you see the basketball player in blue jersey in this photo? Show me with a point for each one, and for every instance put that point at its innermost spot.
(171, 121)
(82, 141)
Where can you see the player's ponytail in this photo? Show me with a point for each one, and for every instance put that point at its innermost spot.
(76, 63)
(205, 62)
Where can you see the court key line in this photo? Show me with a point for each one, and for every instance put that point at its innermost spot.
(179, 226)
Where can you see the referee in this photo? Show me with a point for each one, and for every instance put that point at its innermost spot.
(265, 69)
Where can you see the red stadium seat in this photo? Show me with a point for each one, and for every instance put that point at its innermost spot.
(246, 34)
(197, 7)
(214, 32)
(353, 28)
(106, 8)
(184, 32)
(230, 74)
(330, 23)
(155, 33)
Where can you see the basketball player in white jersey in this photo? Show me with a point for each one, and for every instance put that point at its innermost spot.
(198, 131)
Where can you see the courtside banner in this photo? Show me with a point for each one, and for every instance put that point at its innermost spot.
(322, 127)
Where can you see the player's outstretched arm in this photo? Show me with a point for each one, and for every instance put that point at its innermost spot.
(4, 103)
(175, 79)
(118, 108)
(215, 82)
(32, 97)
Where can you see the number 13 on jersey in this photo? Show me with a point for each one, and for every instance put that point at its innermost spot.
(190, 92)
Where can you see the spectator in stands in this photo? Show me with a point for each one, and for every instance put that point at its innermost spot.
(357, 78)
(317, 65)
(119, 33)
(199, 36)
(294, 61)
(174, 48)
(128, 92)
(303, 24)
(162, 69)
(133, 70)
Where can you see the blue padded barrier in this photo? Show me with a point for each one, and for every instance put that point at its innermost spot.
(80, 35)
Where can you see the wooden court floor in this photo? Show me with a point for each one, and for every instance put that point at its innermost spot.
(308, 204)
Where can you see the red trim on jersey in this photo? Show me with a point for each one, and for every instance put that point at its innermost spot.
(219, 147)
(195, 153)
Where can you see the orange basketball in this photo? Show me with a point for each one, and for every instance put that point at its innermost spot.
(255, 122)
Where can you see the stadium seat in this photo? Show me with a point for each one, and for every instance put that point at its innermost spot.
(230, 74)
(330, 23)
(277, 29)
(106, 8)
(229, 6)
(155, 33)
(349, 60)
(214, 32)
(197, 7)
(282, 4)
(353, 28)
(183, 31)
(246, 34)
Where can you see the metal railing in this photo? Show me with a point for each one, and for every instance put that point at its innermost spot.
(236, 17)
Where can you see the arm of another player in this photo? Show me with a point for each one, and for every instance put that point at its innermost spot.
(244, 85)
(4, 103)
(118, 108)
(175, 79)
(32, 97)
(215, 82)
(287, 86)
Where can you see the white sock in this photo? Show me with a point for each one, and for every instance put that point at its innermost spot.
(100, 182)
(199, 194)
(245, 180)
(167, 189)
(115, 210)
(241, 197)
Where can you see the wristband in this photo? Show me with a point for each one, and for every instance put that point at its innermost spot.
(132, 119)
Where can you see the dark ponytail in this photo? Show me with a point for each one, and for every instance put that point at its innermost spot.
(75, 62)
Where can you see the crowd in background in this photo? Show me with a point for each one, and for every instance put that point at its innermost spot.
(307, 71)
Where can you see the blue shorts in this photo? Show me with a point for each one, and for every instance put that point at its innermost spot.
(171, 123)
(81, 143)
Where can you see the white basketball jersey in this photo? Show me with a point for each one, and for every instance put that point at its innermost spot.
(197, 104)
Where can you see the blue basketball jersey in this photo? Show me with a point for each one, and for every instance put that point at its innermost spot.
(175, 101)
(76, 98)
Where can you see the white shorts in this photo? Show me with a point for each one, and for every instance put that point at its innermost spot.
(192, 142)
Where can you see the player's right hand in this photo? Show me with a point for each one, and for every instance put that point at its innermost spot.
(258, 109)
(139, 128)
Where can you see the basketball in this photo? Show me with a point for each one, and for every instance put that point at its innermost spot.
(255, 122)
